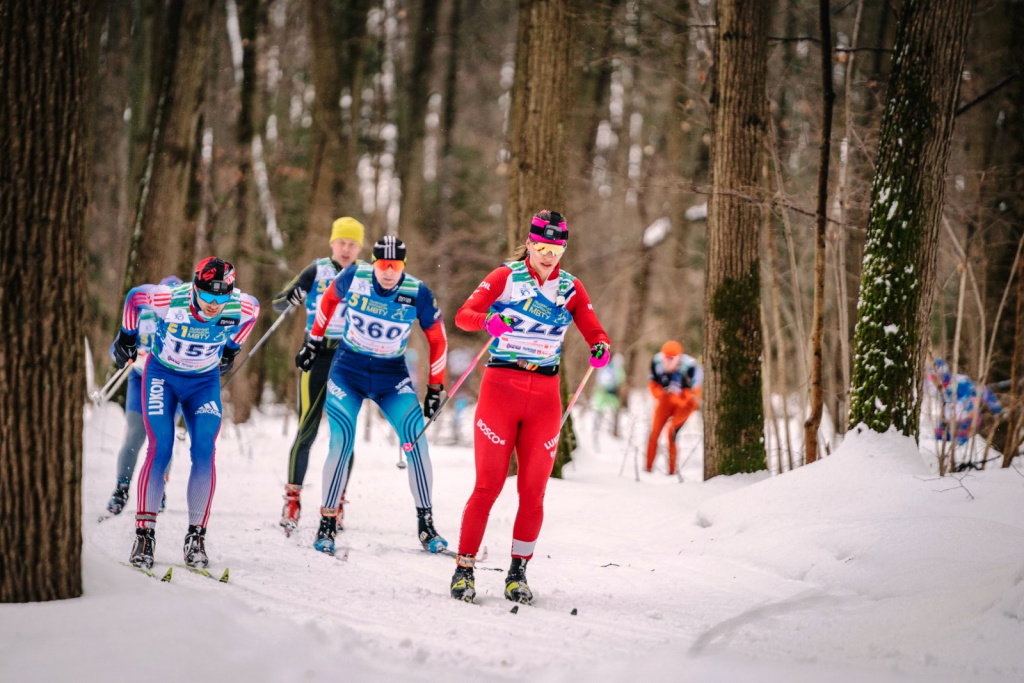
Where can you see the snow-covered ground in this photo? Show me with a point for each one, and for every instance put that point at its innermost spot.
(861, 567)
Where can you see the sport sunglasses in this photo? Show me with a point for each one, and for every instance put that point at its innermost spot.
(384, 264)
(545, 248)
(213, 299)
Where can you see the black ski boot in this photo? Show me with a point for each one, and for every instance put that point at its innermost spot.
(195, 547)
(119, 498)
(429, 538)
(463, 584)
(516, 588)
(142, 551)
(328, 530)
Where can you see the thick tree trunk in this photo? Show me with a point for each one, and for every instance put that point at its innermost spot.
(336, 37)
(167, 215)
(733, 413)
(907, 193)
(542, 96)
(43, 174)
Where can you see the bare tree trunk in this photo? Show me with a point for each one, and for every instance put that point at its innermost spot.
(1014, 426)
(447, 175)
(412, 126)
(733, 415)
(818, 324)
(542, 96)
(44, 172)
(164, 211)
(897, 284)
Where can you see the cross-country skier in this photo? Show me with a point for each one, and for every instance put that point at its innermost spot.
(676, 381)
(382, 303)
(526, 305)
(135, 428)
(346, 241)
(203, 325)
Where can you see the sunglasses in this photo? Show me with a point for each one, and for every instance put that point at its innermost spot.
(544, 248)
(383, 264)
(213, 299)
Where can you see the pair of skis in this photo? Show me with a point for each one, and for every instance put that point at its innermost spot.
(166, 578)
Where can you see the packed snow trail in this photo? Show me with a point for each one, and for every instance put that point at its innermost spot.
(859, 567)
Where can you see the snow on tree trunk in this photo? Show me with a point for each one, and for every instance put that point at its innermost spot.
(733, 410)
(898, 276)
(44, 171)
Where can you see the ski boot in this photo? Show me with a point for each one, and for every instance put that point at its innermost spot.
(429, 538)
(142, 551)
(195, 547)
(516, 588)
(119, 498)
(328, 529)
(292, 508)
(463, 584)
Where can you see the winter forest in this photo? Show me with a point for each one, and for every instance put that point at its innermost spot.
(820, 201)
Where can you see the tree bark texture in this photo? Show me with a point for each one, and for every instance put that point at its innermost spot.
(166, 210)
(542, 95)
(43, 196)
(898, 277)
(818, 322)
(336, 31)
(733, 411)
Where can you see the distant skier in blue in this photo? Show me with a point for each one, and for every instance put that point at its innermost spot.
(135, 427)
(961, 401)
(202, 326)
(382, 303)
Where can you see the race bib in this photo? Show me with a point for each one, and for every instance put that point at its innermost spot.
(376, 336)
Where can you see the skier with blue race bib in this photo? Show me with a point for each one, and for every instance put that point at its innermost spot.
(382, 303)
(202, 326)
(306, 290)
(135, 427)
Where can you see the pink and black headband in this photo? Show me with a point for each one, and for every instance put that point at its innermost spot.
(551, 231)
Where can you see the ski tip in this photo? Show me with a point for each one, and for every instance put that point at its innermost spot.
(514, 610)
(224, 578)
(573, 612)
(167, 575)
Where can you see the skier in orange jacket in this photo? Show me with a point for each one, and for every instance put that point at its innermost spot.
(676, 386)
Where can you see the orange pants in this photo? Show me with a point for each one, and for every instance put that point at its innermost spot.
(678, 408)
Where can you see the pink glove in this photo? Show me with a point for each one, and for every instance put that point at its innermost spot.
(496, 325)
(600, 354)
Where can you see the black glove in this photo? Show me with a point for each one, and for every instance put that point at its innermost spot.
(432, 401)
(686, 380)
(307, 354)
(227, 359)
(297, 296)
(124, 348)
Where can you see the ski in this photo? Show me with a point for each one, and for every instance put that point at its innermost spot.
(166, 578)
(202, 571)
(515, 609)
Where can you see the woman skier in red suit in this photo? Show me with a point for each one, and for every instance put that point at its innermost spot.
(526, 306)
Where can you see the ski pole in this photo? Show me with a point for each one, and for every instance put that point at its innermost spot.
(112, 385)
(575, 396)
(407, 447)
(256, 348)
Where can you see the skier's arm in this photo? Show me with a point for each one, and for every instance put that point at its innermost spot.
(303, 281)
(333, 296)
(250, 312)
(156, 298)
(473, 313)
(582, 311)
(432, 325)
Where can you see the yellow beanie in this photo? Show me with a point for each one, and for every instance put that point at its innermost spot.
(347, 228)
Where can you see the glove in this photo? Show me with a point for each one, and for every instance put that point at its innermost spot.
(124, 348)
(432, 401)
(307, 354)
(297, 296)
(227, 359)
(497, 325)
(600, 354)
